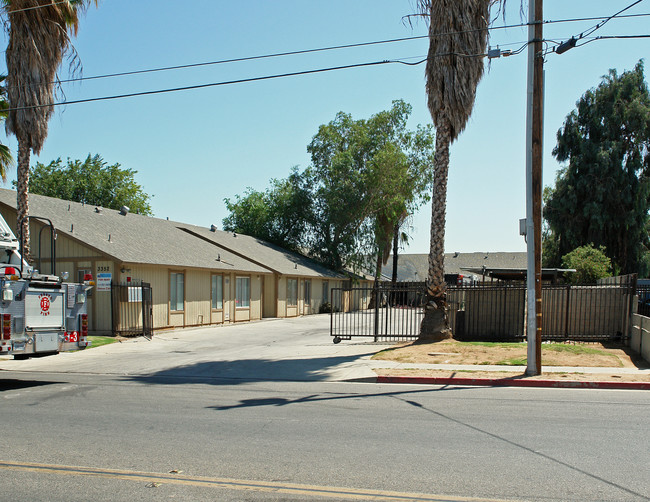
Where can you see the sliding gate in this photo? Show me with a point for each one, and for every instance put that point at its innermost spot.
(132, 309)
(384, 312)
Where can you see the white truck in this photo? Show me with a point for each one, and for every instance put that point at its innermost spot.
(39, 314)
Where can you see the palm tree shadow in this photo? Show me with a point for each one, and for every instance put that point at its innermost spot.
(281, 401)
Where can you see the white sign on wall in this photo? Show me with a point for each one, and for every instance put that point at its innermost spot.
(104, 281)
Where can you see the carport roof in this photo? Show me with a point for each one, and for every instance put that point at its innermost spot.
(415, 267)
(131, 238)
(518, 274)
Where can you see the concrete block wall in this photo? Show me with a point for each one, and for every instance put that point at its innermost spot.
(640, 335)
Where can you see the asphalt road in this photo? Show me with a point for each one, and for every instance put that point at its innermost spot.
(202, 431)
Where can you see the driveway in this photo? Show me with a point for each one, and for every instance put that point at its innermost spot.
(299, 349)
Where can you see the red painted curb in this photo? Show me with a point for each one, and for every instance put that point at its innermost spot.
(509, 382)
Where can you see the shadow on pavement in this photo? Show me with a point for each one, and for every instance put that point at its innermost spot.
(249, 370)
(13, 384)
(281, 401)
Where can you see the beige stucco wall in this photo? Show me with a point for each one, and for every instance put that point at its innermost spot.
(198, 296)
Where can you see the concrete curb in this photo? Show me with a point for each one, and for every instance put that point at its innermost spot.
(510, 382)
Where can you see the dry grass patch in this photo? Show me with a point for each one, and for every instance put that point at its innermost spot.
(479, 353)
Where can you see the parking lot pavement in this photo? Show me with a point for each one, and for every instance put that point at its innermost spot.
(273, 349)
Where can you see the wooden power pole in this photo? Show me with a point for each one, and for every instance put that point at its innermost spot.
(534, 143)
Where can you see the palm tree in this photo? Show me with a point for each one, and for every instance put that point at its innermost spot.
(39, 38)
(6, 159)
(457, 43)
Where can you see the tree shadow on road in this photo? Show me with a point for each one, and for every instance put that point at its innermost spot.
(14, 384)
(250, 370)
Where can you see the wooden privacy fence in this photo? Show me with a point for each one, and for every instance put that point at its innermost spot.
(590, 313)
(495, 313)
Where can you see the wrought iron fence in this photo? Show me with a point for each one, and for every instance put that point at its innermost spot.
(591, 313)
(384, 313)
(132, 309)
(643, 298)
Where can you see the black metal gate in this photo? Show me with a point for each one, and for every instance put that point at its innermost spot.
(132, 309)
(384, 312)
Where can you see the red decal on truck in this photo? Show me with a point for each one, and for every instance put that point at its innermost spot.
(45, 303)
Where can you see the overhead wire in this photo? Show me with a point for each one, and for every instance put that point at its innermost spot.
(601, 24)
(284, 75)
(324, 49)
(35, 7)
(573, 41)
(612, 37)
(320, 70)
(239, 81)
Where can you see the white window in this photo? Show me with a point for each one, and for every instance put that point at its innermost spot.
(176, 291)
(243, 292)
(292, 291)
(217, 292)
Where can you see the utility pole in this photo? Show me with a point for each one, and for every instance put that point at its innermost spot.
(534, 137)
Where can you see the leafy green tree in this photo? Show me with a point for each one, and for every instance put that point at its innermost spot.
(39, 38)
(602, 195)
(277, 215)
(92, 181)
(590, 263)
(364, 177)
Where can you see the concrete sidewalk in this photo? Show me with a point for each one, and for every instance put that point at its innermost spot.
(298, 349)
(461, 374)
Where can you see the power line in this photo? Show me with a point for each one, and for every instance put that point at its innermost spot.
(294, 74)
(573, 41)
(246, 58)
(213, 84)
(611, 37)
(600, 25)
(35, 7)
(240, 81)
(324, 49)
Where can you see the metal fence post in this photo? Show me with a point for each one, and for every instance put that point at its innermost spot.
(376, 293)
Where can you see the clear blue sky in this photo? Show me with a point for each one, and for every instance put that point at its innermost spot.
(194, 148)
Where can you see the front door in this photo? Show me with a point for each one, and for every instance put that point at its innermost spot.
(307, 303)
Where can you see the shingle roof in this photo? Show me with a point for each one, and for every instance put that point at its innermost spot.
(414, 267)
(132, 238)
(274, 257)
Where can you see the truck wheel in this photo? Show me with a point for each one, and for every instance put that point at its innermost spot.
(337, 339)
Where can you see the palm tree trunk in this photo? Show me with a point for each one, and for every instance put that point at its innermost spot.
(373, 295)
(435, 325)
(22, 200)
